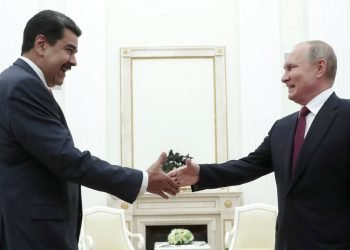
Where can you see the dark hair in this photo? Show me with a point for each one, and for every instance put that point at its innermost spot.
(49, 23)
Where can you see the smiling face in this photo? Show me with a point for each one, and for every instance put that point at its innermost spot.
(301, 76)
(56, 59)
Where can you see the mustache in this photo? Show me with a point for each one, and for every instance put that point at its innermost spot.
(67, 66)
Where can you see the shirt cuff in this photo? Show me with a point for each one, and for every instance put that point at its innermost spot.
(144, 184)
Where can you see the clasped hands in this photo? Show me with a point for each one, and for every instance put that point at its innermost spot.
(163, 184)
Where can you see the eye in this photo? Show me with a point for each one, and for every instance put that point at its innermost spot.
(289, 67)
(70, 51)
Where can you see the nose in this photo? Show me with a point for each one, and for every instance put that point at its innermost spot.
(285, 77)
(73, 60)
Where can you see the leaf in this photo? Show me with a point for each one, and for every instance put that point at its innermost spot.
(174, 161)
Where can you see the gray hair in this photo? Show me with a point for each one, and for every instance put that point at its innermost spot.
(321, 50)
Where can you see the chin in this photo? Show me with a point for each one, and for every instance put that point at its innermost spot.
(292, 95)
(58, 83)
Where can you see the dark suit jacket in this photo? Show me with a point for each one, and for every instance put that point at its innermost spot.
(41, 171)
(314, 203)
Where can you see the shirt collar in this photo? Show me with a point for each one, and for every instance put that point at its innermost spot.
(317, 102)
(36, 69)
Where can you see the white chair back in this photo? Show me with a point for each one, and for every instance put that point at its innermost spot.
(104, 229)
(254, 227)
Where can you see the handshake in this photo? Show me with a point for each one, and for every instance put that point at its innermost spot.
(185, 172)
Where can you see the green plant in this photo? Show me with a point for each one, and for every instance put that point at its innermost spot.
(174, 161)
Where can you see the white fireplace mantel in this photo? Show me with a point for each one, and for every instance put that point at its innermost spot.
(214, 208)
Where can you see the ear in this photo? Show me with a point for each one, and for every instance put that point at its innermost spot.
(321, 67)
(40, 44)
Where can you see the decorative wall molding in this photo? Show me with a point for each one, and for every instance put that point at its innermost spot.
(127, 57)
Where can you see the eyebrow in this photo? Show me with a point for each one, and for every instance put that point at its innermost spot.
(71, 46)
(288, 65)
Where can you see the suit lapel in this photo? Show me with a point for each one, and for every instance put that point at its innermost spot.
(51, 99)
(316, 133)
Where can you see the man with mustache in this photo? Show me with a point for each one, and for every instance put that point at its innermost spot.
(40, 168)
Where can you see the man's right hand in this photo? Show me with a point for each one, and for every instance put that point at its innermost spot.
(158, 182)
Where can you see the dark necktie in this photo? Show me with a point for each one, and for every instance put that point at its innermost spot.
(299, 135)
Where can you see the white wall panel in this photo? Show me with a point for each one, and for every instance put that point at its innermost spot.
(13, 18)
(173, 108)
(260, 62)
(332, 24)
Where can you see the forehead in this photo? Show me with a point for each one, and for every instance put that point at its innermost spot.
(69, 38)
(298, 54)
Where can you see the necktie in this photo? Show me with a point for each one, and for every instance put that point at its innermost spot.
(299, 135)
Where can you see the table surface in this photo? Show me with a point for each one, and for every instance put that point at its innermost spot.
(195, 245)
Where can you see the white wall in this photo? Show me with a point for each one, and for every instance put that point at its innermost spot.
(256, 34)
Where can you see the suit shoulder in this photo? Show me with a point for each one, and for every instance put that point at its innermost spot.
(345, 102)
(16, 80)
(287, 118)
(15, 76)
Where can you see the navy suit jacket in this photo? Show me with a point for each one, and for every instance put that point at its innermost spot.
(41, 170)
(314, 203)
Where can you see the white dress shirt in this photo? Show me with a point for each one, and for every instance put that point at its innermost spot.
(315, 105)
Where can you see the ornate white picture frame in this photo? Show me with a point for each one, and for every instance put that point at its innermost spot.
(208, 62)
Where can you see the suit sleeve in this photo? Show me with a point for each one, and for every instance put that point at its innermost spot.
(236, 172)
(40, 130)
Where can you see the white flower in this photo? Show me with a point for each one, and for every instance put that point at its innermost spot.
(180, 236)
